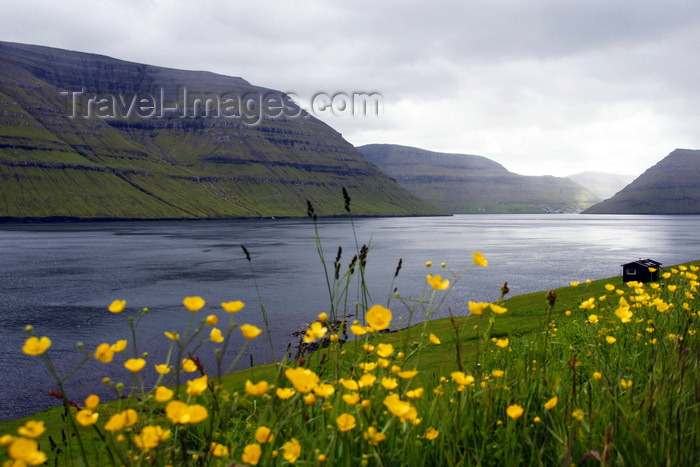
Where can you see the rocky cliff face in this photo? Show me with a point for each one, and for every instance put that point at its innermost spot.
(86, 136)
(461, 183)
(672, 186)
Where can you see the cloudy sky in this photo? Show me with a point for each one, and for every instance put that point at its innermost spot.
(541, 86)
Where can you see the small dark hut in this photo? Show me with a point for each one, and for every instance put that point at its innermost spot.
(639, 271)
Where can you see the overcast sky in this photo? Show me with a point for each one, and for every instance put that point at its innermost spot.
(542, 87)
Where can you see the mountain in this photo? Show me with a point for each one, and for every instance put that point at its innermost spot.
(85, 136)
(672, 186)
(461, 183)
(603, 185)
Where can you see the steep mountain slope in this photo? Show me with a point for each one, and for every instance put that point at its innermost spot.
(603, 185)
(461, 183)
(672, 186)
(86, 136)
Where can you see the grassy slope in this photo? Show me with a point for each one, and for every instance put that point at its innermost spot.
(524, 318)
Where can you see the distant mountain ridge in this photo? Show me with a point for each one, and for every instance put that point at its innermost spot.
(462, 183)
(86, 136)
(671, 186)
(603, 185)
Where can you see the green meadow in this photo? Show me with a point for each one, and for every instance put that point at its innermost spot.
(592, 373)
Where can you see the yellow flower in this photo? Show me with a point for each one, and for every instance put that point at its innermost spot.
(346, 422)
(92, 401)
(366, 380)
(163, 369)
(292, 450)
(233, 307)
(104, 353)
(134, 365)
(349, 384)
(597, 375)
(36, 346)
(150, 437)
(163, 394)
(431, 433)
(193, 303)
(316, 331)
(86, 417)
(434, 339)
(574, 283)
(402, 409)
(498, 373)
(437, 282)
(578, 414)
(499, 310)
(385, 350)
(378, 317)
(588, 304)
(216, 336)
(359, 330)
(212, 320)
(172, 335)
(626, 383)
(462, 379)
(408, 374)
(479, 259)
(117, 306)
(264, 435)
(324, 390)
(197, 386)
(285, 393)
(249, 331)
(25, 452)
(477, 308)
(303, 379)
(251, 454)
(610, 339)
(130, 416)
(373, 436)
(257, 389)
(188, 365)
(323, 317)
(672, 288)
(551, 403)
(415, 393)
(179, 412)
(115, 423)
(502, 343)
(514, 411)
(593, 319)
(389, 383)
(32, 429)
(428, 264)
(351, 399)
(119, 346)
(609, 287)
(368, 366)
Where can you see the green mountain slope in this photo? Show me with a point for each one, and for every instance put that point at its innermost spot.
(672, 186)
(603, 185)
(461, 183)
(124, 154)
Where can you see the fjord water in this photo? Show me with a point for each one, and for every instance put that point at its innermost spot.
(60, 278)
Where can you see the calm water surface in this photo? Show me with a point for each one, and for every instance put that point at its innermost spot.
(61, 277)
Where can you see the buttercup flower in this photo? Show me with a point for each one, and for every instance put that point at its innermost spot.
(233, 307)
(303, 379)
(36, 346)
(477, 308)
(437, 282)
(462, 379)
(104, 353)
(163, 394)
(346, 422)
(389, 383)
(150, 437)
(351, 399)
(188, 365)
(212, 320)
(257, 389)
(219, 450)
(92, 401)
(378, 317)
(479, 259)
(551, 403)
(134, 365)
(610, 339)
(578, 414)
(216, 336)
(249, 331)
(117, 306)
(434, 339)
(324, 390)
(373, 436)
(197, 386)
(385, 350)
(26, 451)
(172, 335)
(86, 417)
(119, 346)
(514, 411)
(597, 375)
(292, 450)
(180, 412)
(193, 303)
(407, 374)
(251, 454)
(431, 433)
(502, 343)
(284, 393)
(316, 331)
(32, 429)
(163, 369)
(264, 435)
(626, 383)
